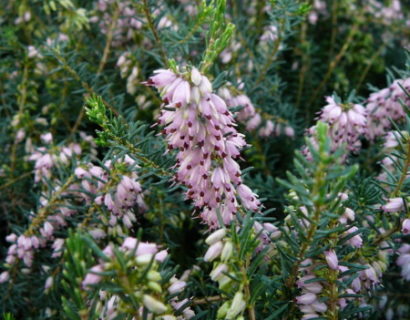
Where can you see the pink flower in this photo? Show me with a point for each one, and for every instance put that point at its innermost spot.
(347, 122)
(92, 276)
(213, 252)
(306, 298)
(47, 138)
(355, 241)
(4, 277)
(393, 205)
(198, 124)
(248, 198)
(331, 259)
(383, 105)
(177, 287)
(406, 226)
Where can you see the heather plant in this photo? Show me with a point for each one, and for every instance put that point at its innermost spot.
(204, 159)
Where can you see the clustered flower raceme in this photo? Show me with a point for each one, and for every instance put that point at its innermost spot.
(119, 199)
(347, 122)
(191, 8)
(47, 158)
(129, 69)
(312, 300)
(253, 119)
(389, 162)
(108, 305)
(199, 125)
(220, 251)
(143, 260)
(308, 300)
(118, 190)
(386, 104)
(129, 23)
(24, 246)
(393, 11)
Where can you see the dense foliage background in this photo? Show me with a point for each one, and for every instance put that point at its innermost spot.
(78, 113)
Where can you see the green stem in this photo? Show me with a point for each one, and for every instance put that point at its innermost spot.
(333, 64)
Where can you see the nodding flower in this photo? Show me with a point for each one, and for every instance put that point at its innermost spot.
(198, 124)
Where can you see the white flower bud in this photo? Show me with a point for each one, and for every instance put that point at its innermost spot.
(227, 251)
(237, 306)
(213, 252)
(153, 304)
(215, 236)
(195, 76)
(144, 259)
(177, 287)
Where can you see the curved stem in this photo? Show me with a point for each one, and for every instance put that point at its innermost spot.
(333, 64)
(109, 39)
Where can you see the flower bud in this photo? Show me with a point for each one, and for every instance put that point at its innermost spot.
(144, 259)
(227, 251)
(155, 286)
(393, 205)
(218, 272)
(195, 76)
(331, 259)
(153, 304)
(213, 252)
(4, 276)
(177, 287)
(153, 275)
(237, 306)
(306, 298)
(215, 236)
(406, 226)
(221, 314)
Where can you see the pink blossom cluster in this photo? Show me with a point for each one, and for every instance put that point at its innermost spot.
(127, 25)
(403, 261)
(386, 104)
(47, 158)
(23, 247)
(200, 126)
(347, 122)
(119, 198)
(190, 7)
(393, 11)
(309, 301)
(270, 34)
(143, 260)
(109, 305)
(252, 119)
(266, 232)
(144, 252)
(392, 139)
(129, 22)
